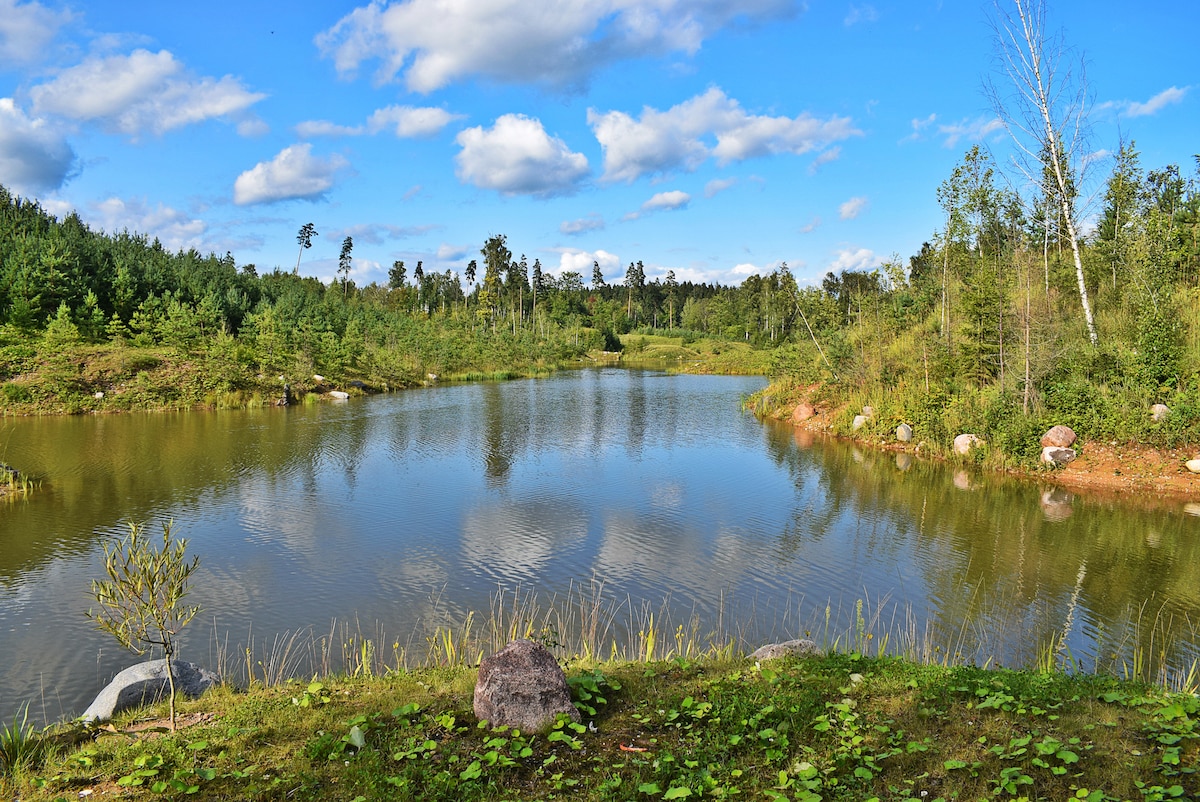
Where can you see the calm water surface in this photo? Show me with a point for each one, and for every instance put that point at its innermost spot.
(417, 507)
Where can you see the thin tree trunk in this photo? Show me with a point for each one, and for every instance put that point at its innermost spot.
(1041, 99)
(1027, 323)
(171, 684)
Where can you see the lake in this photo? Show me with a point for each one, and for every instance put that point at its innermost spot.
(387, 516)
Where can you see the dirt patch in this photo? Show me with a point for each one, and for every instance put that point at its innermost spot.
(1130, 468)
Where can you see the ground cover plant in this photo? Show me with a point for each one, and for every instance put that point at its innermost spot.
(841, 726)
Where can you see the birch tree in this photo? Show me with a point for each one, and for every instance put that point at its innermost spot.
(1044, 107)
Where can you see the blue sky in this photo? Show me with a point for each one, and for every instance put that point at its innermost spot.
(716, 138)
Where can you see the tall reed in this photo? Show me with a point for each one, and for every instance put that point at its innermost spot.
(587, 625)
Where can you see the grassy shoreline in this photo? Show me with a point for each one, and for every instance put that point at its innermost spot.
(670, 711)
(1116, 466)
(840, 726)
(123, 377)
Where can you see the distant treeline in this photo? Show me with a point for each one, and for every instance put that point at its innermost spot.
(985, 329)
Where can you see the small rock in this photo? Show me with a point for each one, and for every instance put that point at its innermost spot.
(1159, 412)
(1193, 465)
(338, 395)
(965, 442)
(147, 683)
(796, 648)
(803, 412)
(1059, 437)
(318, 378)
(1056, 455)
(522, 686)
(859, 422)
(904, 433)
(98, 395)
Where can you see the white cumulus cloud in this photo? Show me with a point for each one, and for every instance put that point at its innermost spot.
(855, 259)
(435, 43)
(577, 261)
(517, 157)
(971, 130)
(852, 208)
(26, 29)
(404, 121)
(825, 157)
(451, 253)
(675, 199)
(1156, 103)
(143, 91)
(717, 186)
(176, 230)
(590, 222)
(293, 173)
(34, 157)
(708, 125)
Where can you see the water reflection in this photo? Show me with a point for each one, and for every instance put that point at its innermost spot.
(418, 506)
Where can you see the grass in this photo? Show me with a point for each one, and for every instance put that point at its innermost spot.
(13, 483)
(670, 711)
(688, 355)
(20, 746)
(836, 727)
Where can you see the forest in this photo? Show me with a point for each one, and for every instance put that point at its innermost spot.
(983, 330)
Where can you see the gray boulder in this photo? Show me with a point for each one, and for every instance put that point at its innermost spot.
(1159, 412)
(788, 648)
(1059, 437)
(522, 686)
(859, 422)
(147, 683)
(965, 442)
(1054, 455)
(1193, 465)
(904, 433)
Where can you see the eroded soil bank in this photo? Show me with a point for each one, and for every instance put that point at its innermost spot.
(1104, 468)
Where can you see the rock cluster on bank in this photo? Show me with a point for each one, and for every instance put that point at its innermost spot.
(1056, 445)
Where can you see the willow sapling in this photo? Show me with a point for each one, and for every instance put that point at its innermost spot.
(141, 604)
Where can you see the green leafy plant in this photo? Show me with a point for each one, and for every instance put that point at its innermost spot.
(589, 689)
(141, 604)
(20, 744)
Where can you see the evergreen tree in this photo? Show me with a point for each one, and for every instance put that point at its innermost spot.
(396, 276)
(305, 238)
(344, 264)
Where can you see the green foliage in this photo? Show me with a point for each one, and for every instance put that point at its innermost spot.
(21, 747)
